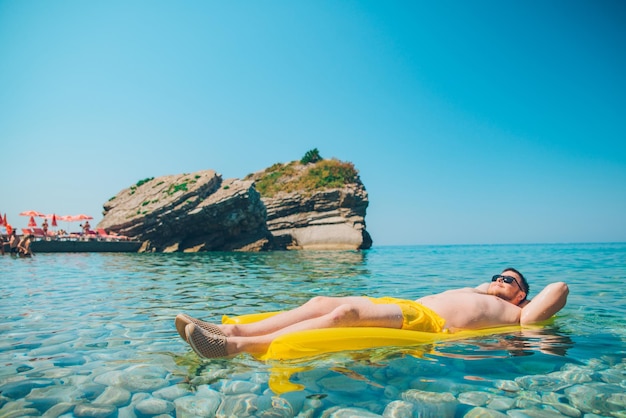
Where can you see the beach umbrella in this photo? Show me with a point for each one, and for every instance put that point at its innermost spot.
(31, 222)
(81, 217)
(65, 218)
(2, 221)
(54, 220)
(32, 213)
(76, 218)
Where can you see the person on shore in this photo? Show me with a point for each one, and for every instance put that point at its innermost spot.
(499, 303)
(14, 242)
(24, 246)
(86, 230)
(44, 227)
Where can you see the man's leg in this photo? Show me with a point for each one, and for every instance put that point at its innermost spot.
(355, 311)
(314, 308)
(345, 312)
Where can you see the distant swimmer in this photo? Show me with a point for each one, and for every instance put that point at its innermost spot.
(23, 247)
(14, 242)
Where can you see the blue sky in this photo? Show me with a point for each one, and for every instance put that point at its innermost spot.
(469, 122)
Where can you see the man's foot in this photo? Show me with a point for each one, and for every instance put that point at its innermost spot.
(182, 320)
(204, 343)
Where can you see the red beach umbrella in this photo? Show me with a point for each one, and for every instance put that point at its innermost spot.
(1, 221)
(5, 219)
(32, 213)
(32, 222)
(65, 218)
(54, 220)
(75, 218)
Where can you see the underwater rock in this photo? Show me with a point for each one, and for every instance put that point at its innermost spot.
(339, 412)
(542, 383)
(573, 374)
(45, 398)
(431, 404)
(528, 399)
(617, 401)
(480, 412)
(594, 398)
(612, 376)
(295, 399)
(243, 405)
(399, 409)
(310, 407)
(143, 378)
(110, 378)
(197, 406)
(508, 385)
(21, 388)
(154, 406)
(274, 407)
(95, 410)
(171, 393)
(474, 398)
(533, 413)
(558, 402)
(15, 409)
(391, 391)
(113, 395)
(501, 403)
(58, 410)
(234, 387)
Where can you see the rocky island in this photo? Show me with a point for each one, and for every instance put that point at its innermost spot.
(313, 203)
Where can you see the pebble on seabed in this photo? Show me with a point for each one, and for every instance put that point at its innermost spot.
(114, 395)
(154, 406)
(94, 410)
(431, 404)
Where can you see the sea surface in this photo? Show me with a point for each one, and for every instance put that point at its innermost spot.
(92, 335)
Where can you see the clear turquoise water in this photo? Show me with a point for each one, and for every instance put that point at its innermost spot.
(93, 335)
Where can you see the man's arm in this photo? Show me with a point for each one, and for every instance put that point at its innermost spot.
(548, 302)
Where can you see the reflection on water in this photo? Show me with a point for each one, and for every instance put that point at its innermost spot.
(93, 335)
(526, 342)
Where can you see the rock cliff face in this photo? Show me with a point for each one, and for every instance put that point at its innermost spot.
(201, 212)
(327, 219)
(190, 212)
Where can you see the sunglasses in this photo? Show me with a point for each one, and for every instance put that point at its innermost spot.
(506, 279)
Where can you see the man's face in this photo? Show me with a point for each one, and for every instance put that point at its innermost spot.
(511, 292)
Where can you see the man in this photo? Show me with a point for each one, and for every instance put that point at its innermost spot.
(14, 242)
(24, 246)
(499, 303)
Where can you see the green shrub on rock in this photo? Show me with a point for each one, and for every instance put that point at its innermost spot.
(310, 177)
(311, 156)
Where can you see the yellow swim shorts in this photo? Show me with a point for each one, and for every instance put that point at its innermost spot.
(415, 316)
